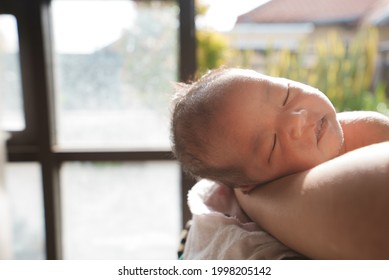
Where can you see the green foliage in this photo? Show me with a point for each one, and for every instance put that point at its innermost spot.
(212, 50)
(345, 72)
(201, 8)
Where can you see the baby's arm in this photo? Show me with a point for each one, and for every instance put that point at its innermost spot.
(336, 210)
(363, 128)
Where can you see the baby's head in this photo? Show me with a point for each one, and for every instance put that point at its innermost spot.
(239, 127)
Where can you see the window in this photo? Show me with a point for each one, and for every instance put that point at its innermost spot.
(95, 130)
(11, 110)
(114, 72)
(27, 215)
(125, 210)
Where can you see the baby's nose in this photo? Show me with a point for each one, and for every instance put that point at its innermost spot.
(296, 122)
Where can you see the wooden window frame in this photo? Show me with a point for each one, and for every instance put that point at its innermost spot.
(37, 142)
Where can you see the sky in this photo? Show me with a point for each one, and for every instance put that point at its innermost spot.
(222, 14)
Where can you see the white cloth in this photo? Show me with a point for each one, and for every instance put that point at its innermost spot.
(221, 230)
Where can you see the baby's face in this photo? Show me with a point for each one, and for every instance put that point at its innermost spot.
(272, 127)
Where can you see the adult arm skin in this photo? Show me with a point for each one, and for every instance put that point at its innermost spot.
(336, 210)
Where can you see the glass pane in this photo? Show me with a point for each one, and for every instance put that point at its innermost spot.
(27, 216)
(121, 210)
(115, 62)
(11, 103)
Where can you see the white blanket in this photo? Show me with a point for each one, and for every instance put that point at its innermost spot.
(221, 230)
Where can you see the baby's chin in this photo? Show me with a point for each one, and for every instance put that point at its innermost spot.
(334, 148)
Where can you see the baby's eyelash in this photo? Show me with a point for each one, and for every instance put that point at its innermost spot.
(287, 97)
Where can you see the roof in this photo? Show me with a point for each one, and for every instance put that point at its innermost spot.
(309, 11)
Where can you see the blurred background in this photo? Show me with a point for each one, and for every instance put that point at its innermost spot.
(85, 85)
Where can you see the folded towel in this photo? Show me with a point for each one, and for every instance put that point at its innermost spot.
(221, 230)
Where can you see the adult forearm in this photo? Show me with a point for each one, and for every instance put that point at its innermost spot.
(336, 210)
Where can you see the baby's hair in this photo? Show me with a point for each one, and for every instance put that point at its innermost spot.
(194, 107)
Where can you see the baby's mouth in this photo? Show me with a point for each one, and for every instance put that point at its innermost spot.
(320, 128)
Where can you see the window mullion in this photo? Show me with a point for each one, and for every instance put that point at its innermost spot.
(36, 61)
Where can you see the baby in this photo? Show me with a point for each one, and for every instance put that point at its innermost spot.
(244, 129)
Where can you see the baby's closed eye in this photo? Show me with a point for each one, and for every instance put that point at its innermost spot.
(287, 96)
